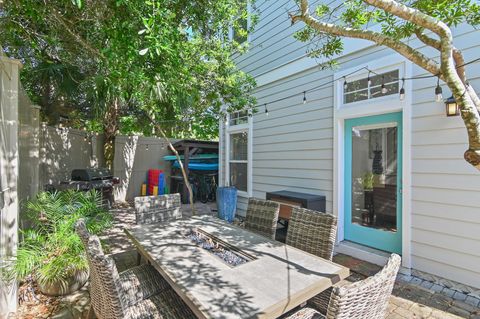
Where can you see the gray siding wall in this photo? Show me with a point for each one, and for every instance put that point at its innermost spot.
(293, 145)
(272, 43)
(445, 188)
(293, 148)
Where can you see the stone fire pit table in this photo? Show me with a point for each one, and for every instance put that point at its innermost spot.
(270, 279)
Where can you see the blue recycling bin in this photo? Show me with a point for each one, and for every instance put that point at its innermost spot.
(226, 203)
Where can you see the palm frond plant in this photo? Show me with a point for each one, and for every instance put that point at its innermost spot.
(50, 249)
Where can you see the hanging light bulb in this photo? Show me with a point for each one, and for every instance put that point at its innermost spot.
(345, 83)
(146, 147)
(438, 91)
(85, 138)
(384, 89)
(402, 90)
(304, 97)
(369, 80)
(266, 110)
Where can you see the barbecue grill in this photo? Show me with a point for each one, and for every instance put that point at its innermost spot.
(85, 179)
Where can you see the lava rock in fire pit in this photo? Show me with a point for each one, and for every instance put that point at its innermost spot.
(216, 248)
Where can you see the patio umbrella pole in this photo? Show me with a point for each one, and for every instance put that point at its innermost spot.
(185, 177)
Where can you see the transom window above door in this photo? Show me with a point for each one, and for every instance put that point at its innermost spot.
(239, 117)
(371, 87)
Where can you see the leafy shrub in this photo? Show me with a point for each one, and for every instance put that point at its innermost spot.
(51, 250)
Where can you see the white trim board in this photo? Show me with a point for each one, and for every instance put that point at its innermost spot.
(387, 104)
(246, 127)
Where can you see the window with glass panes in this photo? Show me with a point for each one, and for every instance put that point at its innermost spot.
(237, 118)
(238, 160)
(360, 90)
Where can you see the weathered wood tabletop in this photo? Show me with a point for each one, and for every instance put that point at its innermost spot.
(278, 278)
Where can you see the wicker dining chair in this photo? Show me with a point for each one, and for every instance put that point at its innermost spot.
(156, 209)
(262, 217)
(365, 299)
(312, 231)
(137, 293)
(315, 233)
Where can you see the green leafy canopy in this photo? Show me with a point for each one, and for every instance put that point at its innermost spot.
(356, 14)
(170, 58)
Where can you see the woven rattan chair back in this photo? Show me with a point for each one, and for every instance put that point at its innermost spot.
(262, 217)
(312, 231)
(156, 209)
(105, 290)
(366, 299)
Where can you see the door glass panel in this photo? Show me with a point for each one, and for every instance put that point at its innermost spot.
(374, 177)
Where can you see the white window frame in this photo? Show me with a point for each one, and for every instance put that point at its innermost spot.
(380, 105)
(363, 75)
(369, 88)
(235, 129)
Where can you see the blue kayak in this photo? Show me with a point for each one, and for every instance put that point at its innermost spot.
(199, 166)
(193, 157)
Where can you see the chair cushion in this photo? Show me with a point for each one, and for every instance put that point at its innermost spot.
(141, 282)
(164, 305)
(303, 313)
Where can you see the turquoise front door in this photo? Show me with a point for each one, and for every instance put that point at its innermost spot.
(373, 181)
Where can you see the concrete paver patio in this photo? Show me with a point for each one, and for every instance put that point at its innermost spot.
(412, 297)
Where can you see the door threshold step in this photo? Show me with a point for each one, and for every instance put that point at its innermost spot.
(372, 255)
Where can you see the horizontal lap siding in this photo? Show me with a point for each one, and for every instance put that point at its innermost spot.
(293, 145)
(445, 189)
(272, 43)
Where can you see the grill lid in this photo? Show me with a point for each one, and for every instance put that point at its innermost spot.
(91, 174)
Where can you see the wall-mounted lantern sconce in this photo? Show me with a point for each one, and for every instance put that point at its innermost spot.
(452, 107)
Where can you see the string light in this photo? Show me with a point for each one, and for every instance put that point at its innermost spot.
(384, 89)
(146, 147)
(402, 90)
(304, 97)
(438, 91)
(85, 138)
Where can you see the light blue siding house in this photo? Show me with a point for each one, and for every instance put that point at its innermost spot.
(391, 168)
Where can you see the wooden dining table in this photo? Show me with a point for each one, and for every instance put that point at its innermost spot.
(273, 279)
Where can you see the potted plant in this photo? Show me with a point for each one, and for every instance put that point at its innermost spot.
(367, 183)
(50, 250)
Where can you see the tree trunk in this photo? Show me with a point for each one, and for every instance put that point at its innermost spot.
(110, 127)
(182, 168)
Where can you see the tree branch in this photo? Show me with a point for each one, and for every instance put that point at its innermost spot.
(413, 15)
(447, 69)
(76, 36)
(457, 54)
(380, 39)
